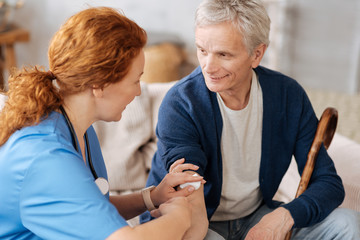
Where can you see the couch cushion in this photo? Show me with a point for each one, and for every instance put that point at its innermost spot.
(346, 156)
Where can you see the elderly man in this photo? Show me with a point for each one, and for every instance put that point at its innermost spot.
(241, 124)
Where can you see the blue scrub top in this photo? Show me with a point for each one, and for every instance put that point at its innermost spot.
(47, 191)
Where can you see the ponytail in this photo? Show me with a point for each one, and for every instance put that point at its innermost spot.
(95, 47)
(31, 97)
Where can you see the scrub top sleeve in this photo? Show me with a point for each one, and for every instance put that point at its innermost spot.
(59, 199)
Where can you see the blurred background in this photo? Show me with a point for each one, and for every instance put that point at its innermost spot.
(317, 42)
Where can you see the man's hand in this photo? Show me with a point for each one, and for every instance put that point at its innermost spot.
(273, 226)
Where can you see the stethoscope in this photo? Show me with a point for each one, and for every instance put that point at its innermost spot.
(101, 182)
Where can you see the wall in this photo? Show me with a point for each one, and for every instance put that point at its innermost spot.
(43, 18)
(317, 42)
(322, 45)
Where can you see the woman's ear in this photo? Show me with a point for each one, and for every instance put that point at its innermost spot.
(258, 55)
(97, 92)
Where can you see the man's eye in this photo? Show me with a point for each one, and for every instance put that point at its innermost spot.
(202, 51)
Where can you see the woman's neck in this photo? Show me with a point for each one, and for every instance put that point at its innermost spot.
(80, 114)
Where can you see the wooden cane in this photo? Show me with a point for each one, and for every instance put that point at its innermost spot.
(324, 135)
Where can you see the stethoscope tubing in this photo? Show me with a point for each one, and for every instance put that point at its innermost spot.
(73, 137)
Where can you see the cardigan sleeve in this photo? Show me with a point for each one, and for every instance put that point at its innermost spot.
(189, 126)
(178, 135)
(325, 191)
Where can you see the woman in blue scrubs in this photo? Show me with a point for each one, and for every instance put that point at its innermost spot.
(50, 159)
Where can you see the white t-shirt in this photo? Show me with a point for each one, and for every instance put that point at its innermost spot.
(241, 155)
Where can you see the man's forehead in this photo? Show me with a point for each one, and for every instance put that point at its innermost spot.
(220, 36)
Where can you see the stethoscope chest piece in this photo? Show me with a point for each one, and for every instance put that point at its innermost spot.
(103, 185)
(101, 182)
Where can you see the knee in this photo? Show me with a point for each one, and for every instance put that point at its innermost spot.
(345, 222)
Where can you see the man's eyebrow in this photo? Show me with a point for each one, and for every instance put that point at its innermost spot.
(218, 51)
(224, 52)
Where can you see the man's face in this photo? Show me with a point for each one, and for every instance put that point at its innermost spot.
(225, 62)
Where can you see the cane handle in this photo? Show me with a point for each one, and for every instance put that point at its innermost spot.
(324, 134)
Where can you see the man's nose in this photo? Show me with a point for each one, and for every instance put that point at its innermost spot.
(211, 64)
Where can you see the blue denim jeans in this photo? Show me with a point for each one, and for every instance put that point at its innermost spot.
(341, 224)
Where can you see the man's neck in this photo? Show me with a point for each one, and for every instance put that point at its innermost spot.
(237, 99)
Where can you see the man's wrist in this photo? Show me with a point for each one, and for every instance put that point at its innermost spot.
(288, 218)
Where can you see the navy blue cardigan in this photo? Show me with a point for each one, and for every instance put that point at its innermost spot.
(190, 126)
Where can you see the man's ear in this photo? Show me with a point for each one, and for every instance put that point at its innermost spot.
(98, 92)
(258, 54)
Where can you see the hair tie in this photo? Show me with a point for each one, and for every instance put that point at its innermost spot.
(52, 76)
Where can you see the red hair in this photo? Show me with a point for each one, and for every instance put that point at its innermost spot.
(95, 47)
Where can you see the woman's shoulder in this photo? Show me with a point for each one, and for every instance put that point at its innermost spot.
(51, 132)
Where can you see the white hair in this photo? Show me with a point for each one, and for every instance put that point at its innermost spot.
(249, 16)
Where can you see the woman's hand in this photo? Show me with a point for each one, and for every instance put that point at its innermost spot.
(199, 220)
(179, 166)
(167, 187)
(179, 205)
